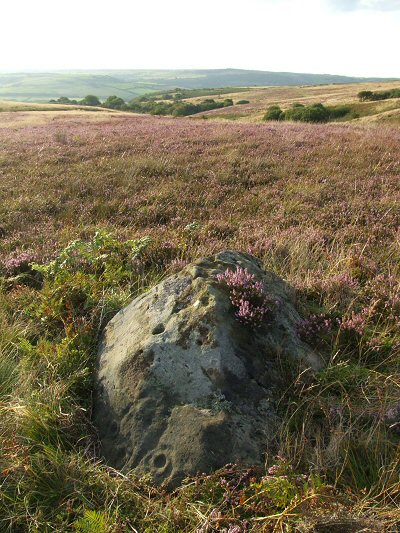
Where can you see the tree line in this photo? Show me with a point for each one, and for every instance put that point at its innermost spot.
(153, 105)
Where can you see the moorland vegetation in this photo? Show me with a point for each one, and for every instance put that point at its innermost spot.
(93, 214)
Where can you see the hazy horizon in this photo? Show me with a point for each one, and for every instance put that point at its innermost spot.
(166, 69)
(350, 38)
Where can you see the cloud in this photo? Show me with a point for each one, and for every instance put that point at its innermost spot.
(376, 5)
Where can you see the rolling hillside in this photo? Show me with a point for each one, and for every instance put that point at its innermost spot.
(329, 95)
(43, 86)
(13, 113)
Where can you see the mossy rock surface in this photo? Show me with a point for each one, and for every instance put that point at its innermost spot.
(182, 387)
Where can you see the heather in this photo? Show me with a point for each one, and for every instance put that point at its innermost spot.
(252, 306)
(92, 214)
(246, 184)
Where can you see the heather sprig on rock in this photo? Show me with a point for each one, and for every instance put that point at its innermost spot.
(247, 295)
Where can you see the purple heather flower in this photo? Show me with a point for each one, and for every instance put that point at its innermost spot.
(18, 262)
(177, 264)
(272, 470)
(247, 296)
(312, 327)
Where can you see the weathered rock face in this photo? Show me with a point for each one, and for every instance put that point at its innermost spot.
(181, 386)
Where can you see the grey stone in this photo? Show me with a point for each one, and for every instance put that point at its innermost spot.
(182, 387)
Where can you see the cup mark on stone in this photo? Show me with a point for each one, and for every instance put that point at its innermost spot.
(159, 328)
(114, 429)
(160, 460)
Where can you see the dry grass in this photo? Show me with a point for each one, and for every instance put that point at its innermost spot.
(21, 114)
(18, 119)
(261, 99)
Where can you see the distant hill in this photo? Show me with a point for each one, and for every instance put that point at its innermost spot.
(43, 86)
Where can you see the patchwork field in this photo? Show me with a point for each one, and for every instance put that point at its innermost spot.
(318, 204)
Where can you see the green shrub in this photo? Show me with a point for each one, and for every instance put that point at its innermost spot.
(339, 111)
(312, 113)
(206, 105)
(378, 95)
(184, 109)
(274, 112)
(90, 100)
(364, 95)
(241, 102)
(63, 100)
(114, 102)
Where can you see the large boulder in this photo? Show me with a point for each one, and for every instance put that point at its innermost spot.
(182, 386)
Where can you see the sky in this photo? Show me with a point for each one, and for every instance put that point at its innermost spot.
(351, 37)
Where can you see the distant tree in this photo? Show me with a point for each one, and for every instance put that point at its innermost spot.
(159, 108)
(114, 102)
(208, 104)
(315, 113)
(90, 100)
(378, 95)
(364, 95)
(312, 113)
(184, 109)
(63, 100)
(274, 112)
